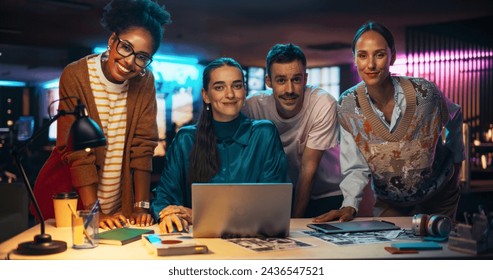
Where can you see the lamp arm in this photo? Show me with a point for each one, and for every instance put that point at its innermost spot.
(18, 150)
(29, 190)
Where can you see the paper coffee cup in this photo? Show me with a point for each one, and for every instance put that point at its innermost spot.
(63, 215)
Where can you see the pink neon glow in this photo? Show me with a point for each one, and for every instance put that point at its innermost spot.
(446, 56)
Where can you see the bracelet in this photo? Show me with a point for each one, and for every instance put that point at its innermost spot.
(142, 204)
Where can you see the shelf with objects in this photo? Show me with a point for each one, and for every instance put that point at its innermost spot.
(477, 169)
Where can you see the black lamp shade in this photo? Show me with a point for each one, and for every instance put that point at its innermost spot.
(86, 133)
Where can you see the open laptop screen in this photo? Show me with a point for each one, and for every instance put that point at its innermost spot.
(241, 209)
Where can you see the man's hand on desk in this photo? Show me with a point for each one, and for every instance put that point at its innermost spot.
(344, 214)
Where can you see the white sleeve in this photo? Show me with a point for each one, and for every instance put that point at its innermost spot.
(354, 170)
(454, 131)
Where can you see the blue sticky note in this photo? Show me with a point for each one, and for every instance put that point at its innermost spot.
(425, 245)
(436, 238)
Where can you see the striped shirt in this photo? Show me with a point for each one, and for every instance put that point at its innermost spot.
(111, 102)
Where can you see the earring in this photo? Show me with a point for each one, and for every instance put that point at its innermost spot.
(143, 72)
(208, 107)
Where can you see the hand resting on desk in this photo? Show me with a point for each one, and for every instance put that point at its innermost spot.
(111, 221)
(141, 218)
(175, 218)
(344, 214)
(117, 220)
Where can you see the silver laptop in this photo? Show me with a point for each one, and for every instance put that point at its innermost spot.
(241, 210)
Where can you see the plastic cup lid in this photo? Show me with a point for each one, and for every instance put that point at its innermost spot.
(65, 195)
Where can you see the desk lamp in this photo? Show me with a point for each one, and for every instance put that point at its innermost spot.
(85, 133)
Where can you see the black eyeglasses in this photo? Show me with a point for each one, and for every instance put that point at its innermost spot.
(125, 49)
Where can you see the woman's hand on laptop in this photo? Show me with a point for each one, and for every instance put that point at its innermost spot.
(173, 223)
(175, 218)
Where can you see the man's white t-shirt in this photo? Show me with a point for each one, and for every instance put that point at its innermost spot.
(315, 127)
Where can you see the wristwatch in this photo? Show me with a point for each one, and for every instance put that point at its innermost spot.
(142, 204)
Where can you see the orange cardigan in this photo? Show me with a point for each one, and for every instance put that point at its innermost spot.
(141, 135)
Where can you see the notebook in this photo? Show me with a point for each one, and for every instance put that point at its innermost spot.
(354, 226)
(173, 244)
(122, 236)
(241, 210)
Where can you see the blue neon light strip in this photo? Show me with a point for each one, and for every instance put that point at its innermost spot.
(50, 84)
(12, 84)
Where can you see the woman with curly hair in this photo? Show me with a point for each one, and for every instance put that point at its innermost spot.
(119, 95)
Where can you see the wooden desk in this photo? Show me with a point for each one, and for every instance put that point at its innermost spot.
(222, 249)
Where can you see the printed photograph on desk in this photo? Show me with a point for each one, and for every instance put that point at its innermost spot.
(363, 237)
(269, 244)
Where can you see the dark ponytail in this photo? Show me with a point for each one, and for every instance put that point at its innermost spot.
(204, 158)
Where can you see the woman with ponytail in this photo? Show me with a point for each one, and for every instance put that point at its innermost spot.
(224, 146)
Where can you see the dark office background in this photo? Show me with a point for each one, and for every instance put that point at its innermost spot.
(448, 42)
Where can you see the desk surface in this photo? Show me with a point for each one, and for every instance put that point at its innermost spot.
(222, 249)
